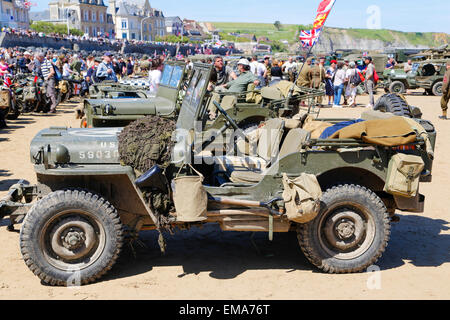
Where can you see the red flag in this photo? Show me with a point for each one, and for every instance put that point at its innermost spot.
(323, 12)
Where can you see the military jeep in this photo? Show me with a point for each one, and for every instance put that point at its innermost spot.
(428, 75)
(87, 201)
(247, 108)
(113, 112)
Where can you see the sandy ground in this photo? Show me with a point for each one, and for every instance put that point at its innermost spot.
(210, 264)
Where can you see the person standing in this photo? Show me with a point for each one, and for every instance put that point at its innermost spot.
(24, 62)
(224, 73)
(329, 81)
(339, 81)
(48, 73)
(345, 68)
(267, 74)
(260, 71)
(445, 93)
(318, 77)
(105, 70)
(254, 65)
(304, 78)
(276, 73)
(91, 76)
(290, 67)
(369, 82)
(130, 66)
(154, 75)
(351, 90)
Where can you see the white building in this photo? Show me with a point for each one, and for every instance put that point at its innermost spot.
(136, 20)
(174, 25)
(14, 14)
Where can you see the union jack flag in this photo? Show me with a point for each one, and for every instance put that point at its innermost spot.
(309, 38)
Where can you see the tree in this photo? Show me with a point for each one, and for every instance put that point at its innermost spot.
(277, 25)
(47, 27)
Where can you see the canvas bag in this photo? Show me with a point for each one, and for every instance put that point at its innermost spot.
(301, 197)
(403, 175)
(29, 93)
(5, 99)
(190, 197)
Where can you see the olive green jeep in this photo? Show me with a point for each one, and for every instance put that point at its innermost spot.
(428, 75)
(339, 194)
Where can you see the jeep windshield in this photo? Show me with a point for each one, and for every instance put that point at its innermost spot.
(171, 76)
(415, 67)
(191, 109)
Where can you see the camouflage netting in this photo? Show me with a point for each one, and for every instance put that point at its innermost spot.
(146, 142)
(142, 144)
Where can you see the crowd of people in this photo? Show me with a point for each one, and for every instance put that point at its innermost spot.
(339, 80)
(193, 48)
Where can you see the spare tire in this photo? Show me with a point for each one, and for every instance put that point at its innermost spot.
(393, 103)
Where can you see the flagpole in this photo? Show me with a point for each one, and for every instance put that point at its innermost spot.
(291, 90)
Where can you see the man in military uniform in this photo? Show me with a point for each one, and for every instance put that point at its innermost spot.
(238, 85)
(304, 79)
(245, 78)
(445, 93)
(317, 74)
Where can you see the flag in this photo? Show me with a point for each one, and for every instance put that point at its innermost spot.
(309, 38)
(323, 12)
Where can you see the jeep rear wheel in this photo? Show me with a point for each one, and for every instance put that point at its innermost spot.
(350, 233)
(397, 87)
(71, 237)
(437, 88)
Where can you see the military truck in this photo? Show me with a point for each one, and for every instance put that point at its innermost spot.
(113, 112)
(428, 75)
(442, 52)
(87, 201)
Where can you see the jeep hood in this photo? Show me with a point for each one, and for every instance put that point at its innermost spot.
(58, 145)
(136, 106)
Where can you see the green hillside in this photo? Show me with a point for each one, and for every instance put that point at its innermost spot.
(289, 32)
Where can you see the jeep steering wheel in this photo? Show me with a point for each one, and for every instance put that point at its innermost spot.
(230, 121)
(225, 114)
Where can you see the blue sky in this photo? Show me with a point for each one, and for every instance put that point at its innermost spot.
(402, 15)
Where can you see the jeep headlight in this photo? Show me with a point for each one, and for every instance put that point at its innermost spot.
(108, 109)
(392, 72)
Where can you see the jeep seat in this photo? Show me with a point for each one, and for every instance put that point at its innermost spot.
(293, 142)
(267, 150)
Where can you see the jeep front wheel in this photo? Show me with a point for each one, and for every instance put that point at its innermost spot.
(350, 233)
(70, 238)
(397, 87)
(437, 88)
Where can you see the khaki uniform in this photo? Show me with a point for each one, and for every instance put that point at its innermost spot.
(445, 93)
(317, 74)
(304, 79)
